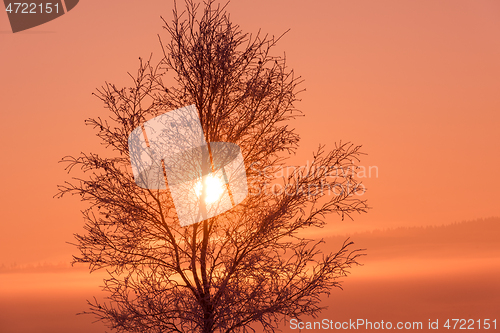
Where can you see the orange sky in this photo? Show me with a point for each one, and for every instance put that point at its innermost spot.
(415, 82)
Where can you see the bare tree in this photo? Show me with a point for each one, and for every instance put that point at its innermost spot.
(249, 265)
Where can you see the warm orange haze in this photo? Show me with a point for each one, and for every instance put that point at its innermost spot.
(415, 83)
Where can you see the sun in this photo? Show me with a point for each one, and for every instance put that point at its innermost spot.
(214, 188)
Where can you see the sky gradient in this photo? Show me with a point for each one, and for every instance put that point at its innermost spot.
(415, 83)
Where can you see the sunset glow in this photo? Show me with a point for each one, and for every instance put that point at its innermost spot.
(414, 83)
(214, 188)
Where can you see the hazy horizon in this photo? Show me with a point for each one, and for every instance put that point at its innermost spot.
(402, 264)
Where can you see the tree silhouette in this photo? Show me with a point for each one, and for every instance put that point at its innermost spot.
(249, 265)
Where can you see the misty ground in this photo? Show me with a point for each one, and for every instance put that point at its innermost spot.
(409, 274)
